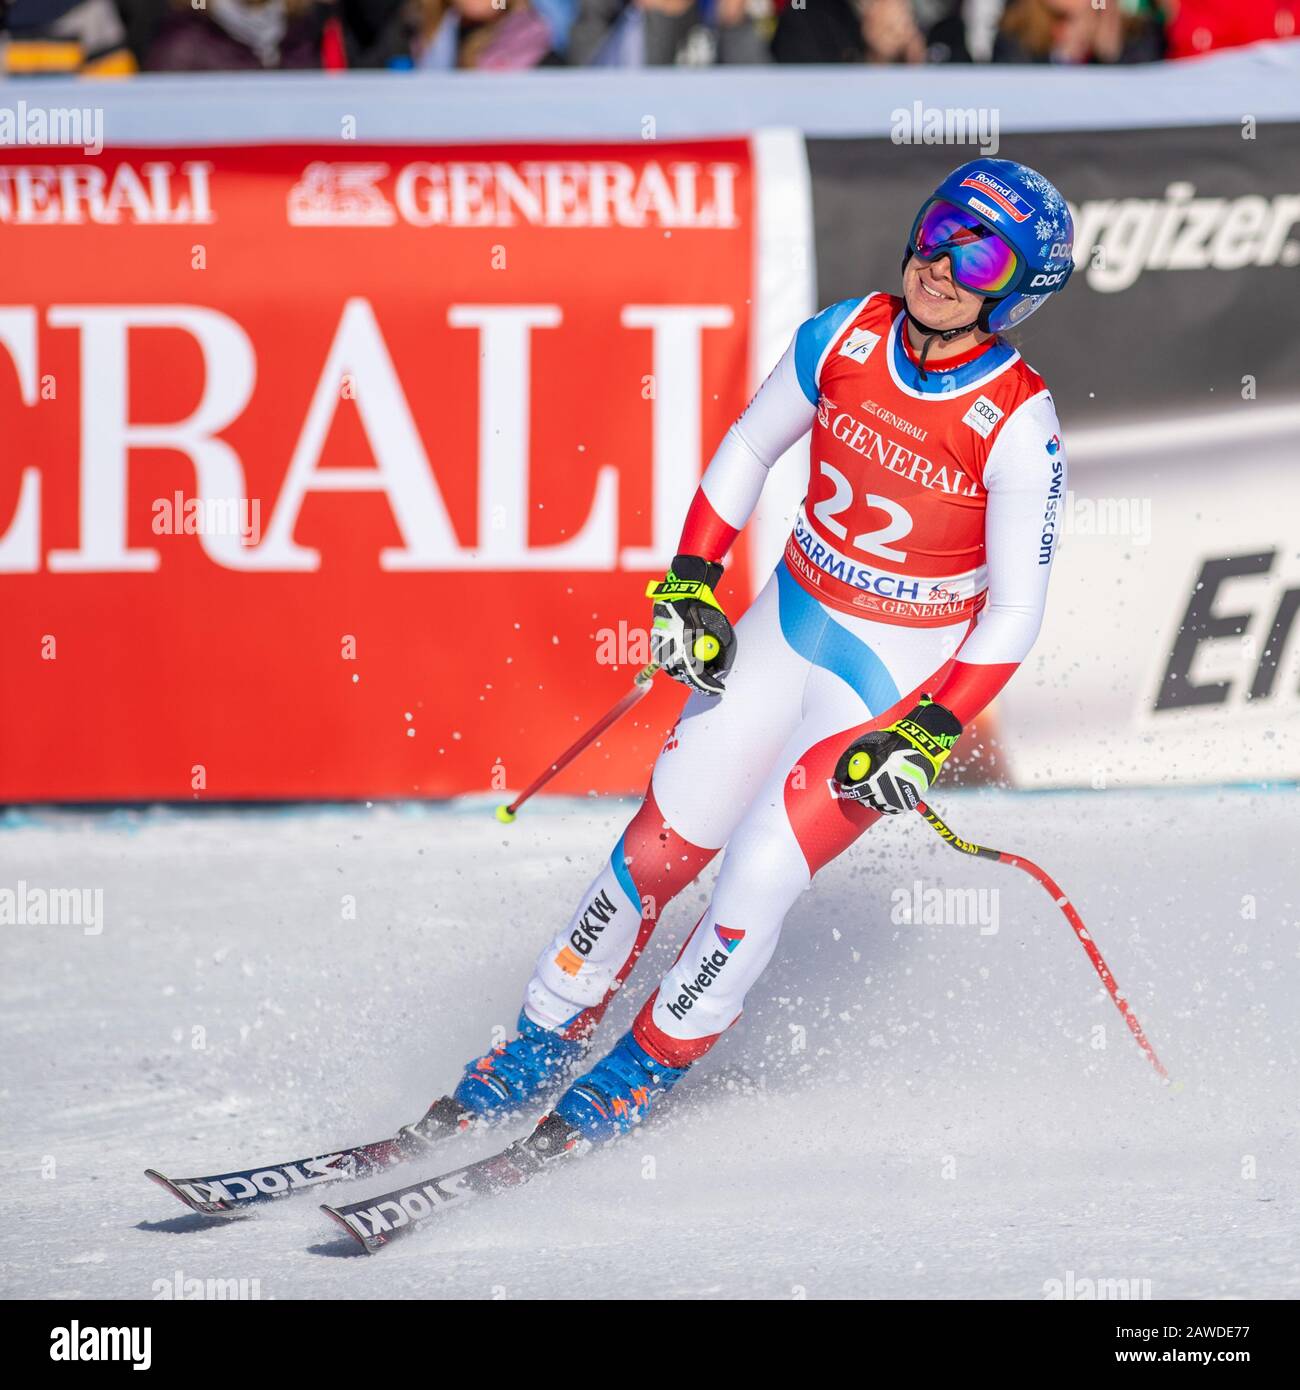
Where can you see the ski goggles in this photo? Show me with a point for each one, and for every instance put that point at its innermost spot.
(981, 261)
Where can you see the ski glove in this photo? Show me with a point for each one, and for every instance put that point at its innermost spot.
(892, 769)
(690, 637)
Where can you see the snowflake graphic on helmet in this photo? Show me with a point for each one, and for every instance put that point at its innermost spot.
(1046, 190)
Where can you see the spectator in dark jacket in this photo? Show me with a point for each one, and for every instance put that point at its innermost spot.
(819, 31)
(239, 35)
(871, 31)
(142, 18)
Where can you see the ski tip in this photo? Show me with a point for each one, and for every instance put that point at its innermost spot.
(338, 1217)
(164, 1181)
(168, 1185)
(226, 1212)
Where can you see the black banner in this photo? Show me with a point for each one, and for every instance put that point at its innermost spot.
(1091, 1331)
(1186, 244)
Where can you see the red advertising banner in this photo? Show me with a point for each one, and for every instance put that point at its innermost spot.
(340, 471)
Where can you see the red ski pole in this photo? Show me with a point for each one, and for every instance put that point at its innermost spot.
(640, 687)
(1071, 916)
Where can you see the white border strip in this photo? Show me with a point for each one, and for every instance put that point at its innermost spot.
(612, 104)
(785, 294)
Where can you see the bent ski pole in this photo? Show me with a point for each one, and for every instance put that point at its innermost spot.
(1071, 916)
(640, 687)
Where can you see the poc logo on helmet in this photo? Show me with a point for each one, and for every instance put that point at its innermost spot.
(1041, 280)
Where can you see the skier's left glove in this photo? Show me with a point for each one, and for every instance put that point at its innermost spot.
(691, 638)
(892, 769)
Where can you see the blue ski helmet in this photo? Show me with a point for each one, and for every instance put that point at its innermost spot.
(1024, 210)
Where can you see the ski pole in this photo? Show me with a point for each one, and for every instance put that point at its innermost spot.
(640, 687)
(1071, 916)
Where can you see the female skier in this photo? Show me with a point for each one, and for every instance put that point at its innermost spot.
(911, 587)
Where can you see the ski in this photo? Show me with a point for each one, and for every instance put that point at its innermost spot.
(377, 1221)
(234, 1194)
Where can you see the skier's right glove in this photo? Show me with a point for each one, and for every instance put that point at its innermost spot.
(690, 638)
(892, 769)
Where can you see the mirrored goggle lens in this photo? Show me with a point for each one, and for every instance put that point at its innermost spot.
(981, 260)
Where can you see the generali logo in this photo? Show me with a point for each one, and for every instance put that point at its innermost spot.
(340, 195)
(511, 338)
(495, 193)
(152, 192)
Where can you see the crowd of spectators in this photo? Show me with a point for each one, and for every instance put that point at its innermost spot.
(119, 37)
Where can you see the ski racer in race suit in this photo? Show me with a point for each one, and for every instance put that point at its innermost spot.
(911, 587)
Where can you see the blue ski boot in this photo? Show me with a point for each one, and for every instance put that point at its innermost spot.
(617, 1092)
(513, 1075)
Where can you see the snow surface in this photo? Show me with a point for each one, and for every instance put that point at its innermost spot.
(947, 1128)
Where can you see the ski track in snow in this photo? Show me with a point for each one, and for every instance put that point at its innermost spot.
(903, 1111)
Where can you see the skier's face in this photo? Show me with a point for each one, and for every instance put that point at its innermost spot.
(935, 298)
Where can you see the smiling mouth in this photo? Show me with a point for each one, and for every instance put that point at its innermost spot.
(934, 294)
